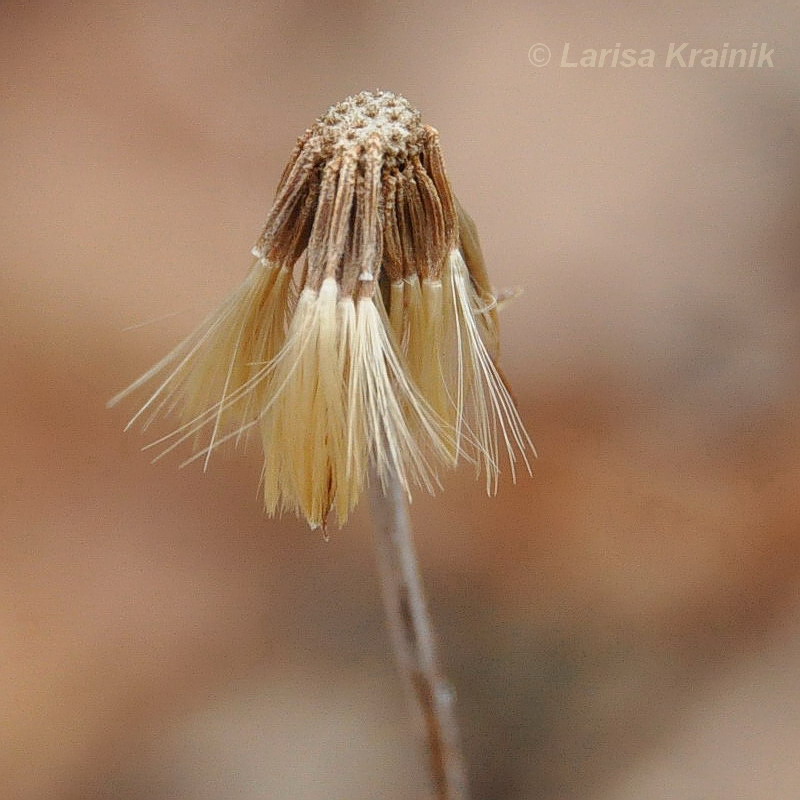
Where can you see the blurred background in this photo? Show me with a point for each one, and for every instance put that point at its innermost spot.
(624, 625)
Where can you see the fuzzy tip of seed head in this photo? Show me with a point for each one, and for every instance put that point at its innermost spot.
(363, 116)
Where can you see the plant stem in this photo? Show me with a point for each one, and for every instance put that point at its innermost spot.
(413, 639)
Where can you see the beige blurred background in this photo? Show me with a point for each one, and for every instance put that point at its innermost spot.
(624, 625)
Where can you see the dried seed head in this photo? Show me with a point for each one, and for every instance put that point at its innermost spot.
(365, 332)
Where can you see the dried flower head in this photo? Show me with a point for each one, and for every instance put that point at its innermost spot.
(365, 332)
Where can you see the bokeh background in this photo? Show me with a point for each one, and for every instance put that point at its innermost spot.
(624, 625)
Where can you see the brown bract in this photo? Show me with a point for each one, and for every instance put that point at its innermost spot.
(365, 187)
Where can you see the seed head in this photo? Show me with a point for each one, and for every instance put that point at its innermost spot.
(365, 332)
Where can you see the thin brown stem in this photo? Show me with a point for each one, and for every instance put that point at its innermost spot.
(414, 642)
